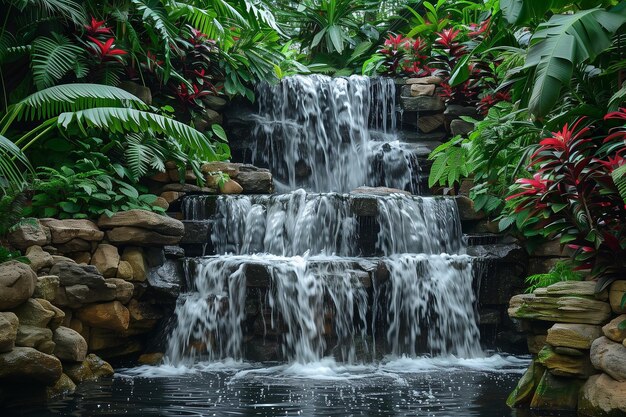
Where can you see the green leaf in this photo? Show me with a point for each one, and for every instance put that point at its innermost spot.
(336, 37)
(219, 132)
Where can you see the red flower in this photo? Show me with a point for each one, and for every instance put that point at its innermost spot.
(447, 37)
(477, 30)
(105, 50)
(396, 42)
(97, 27)
(560, 140)
(530, 186)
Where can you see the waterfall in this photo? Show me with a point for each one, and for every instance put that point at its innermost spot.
(314, 133)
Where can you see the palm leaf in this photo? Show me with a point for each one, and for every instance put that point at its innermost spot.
(68, 9)
(52, 59)
(124, 120)
(561, 43)
(12, 165)
(73, 97)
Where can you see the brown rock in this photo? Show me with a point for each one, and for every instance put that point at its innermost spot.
(8, 331)
(422, 90)
(17, 284)
(106, 259)
(112, 316)
(430, 123)
(175, 175)
(609, 357)
(171, 196)
(38, 258)
(572, 335)
(556, 393)
(573, 288)
(47, 287)
(91, 369)
(135, 257)
(616, 295)
(432, 79)
(466, 209)
(63, 386)
(559, 309)
(228, 168)
(125, 271)
(27, 232)
(150, 358)
(565, 365)
(123, 289)
(70, 345)
(161, 177)
(143, 316)
(74, 245)
(612, 329)
(535, 343)
(231, 187)
(81, 257)
(140, 91)
(143, 219)
(102, 339)
(62, 259)
(602, 396)
(137, 236)
(422, 104)
(65, 230)
(32, 313)
(34, 337)
(58, 314)
(161, 202)
(256, 182)
(25, 364)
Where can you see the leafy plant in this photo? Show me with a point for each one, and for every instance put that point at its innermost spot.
(9, 255)
(561, 271)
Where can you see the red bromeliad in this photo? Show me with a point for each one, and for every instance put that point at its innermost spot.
(97, 27)
(105, 51)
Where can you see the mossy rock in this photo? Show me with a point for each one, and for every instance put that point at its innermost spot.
(556, 393)
(525, 390)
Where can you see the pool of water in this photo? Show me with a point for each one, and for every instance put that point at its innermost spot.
(393, 387)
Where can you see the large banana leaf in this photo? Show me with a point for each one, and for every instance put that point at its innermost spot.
(559, 44)
(12, 164)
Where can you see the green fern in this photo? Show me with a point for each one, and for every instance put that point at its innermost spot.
(561, 271)
(52, 59)
(619, 178)
(141, 154)
(67, 9)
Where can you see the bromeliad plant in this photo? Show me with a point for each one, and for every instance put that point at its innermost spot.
(572, 195)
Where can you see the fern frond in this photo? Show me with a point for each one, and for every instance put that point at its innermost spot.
(52, 59)
(619, 178)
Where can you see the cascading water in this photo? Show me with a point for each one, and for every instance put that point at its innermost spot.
(314, 133)
(293, 269)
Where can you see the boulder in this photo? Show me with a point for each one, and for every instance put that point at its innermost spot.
(171, 196)
(125, 271)
(123, 289)
(59, 315)
(231, 187)
(602, 396)
(81, 257)
(572, 288)
(525, 389)
(162, 203)
(8, 331)
(256, 182)
(430, 123)
(113, 316)
(17, 284)
(454, 111)
(35, 337)
(59, 259)
(555, 393)
(127, 235)
(63, 231)
(460, 127)
(616, 295)
(613, 331)
(33, 313)
(422, 90)
(143, 219)
(150, 358)
(466, 209)
(103, 339)
(106, 259)
(140, 91)
(39, 258)
(63, 386)
(136, 259)
(572, 335)
(535, 343)
(28, 232)
(229, 168)
(91, 369)
(75, 296)
(143, 316)
(47, 287)
(609, 357)
(71, 273)
(70, 345)
(74, 245)
(167, 279)
(422, 103)
(431, 79)
(559, 309)
(25, 364)
(565, 365)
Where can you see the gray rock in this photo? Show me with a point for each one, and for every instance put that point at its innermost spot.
(33, 313)
(38, 258)
(70, 345)
(17, 284)
(167, 279)
(256, 182)
(609, 357)
(28, 232)
(8, 331)
(196, 231)
(143, 219)
(24, 364)
(63, 231)
(422, 103)
(47, 287)
(34, 337)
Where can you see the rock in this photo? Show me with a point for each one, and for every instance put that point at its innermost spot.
(525, 389)
(70, 345)
(422, 103)
(161, 202)
(570, 351)
(214, 102)
(91, 369)
(143, 316)
(602, 396)
(231, 187)
(454, 111)
(556, 393)
(466, 209)
(135, 258)
(74, 245)
(565, 365)
(228, 168)
(150, 358)
(140, 91)
(17, 284)
(379, 191)
(430, 123)
(137, 236)
(47, 287)
(572, 288)
(59, 315)
(572, 335)
(196, 232)
(123, 289)
(609, 357)
(63, 386)
(143, 219)
(174, 252)
(38, 258)
(25, 364)
(81, 257)
(536, 343)
(161, 177)
(431, 79)
(167, 279)
(616, 295)
(60, 259)
(460, 127)
(27, 232)
(612, 329)
(63, 231)
(422, 90)
(125, 271)
(102, 339)
(32, 313)
(34, 337)
(172, 196)
(75, 296)
(256, 182)
(559, 309)
(182, 188)
(112, 316)
(75, 274)
(106, 259)
(8, 331)
(552, 248)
